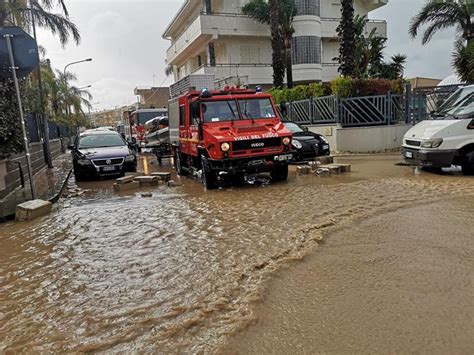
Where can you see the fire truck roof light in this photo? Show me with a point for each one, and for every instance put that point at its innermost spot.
(258, 89)
(205, 93)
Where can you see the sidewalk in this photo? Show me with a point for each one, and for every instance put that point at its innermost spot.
(48, 184)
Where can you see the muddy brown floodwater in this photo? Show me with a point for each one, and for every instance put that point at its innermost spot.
(378, 260)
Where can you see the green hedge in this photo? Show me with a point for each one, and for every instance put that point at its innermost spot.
(11, 137)
(344, 87)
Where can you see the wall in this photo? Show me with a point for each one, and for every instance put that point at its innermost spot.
(9, 172)
(363, 139)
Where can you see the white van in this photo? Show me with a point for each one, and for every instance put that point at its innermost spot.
(446, 139)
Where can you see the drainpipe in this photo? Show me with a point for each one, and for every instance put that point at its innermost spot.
(207, 7)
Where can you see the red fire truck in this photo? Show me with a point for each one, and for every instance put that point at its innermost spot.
(228, 134)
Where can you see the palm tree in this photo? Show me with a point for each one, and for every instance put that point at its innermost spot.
(65, 102)
(346, 33)
(279, 15)
(463, 61)
(17, 12)
(442, 15)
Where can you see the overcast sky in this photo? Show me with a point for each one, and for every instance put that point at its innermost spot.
(124, 39)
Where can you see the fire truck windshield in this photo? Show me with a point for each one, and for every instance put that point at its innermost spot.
(219, 111)
(226, 110)
(256, 108)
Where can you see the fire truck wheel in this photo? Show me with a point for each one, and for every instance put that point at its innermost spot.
(178, 163)
(279, 173)
(209, 178)
(238, 179)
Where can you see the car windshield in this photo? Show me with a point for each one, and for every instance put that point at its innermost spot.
(293, 127)
(256, 108)
(464, 110)
(455, 99)
(100, 141)
(219, 111)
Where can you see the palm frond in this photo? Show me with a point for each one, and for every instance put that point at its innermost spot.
(258, 10)
(441, 15)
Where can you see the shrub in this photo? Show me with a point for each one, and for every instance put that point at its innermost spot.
(11, 138)
(370, 87)
(342, 86)
(315, 90)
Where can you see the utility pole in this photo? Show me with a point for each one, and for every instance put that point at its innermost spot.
(42, 115)
(22, 118)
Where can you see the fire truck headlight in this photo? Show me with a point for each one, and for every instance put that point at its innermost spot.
(286, 141)
(225, 147)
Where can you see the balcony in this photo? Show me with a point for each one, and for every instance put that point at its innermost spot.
(252, 74)
(207, 27)
(329, 26)
(330, 71)
(374, 4)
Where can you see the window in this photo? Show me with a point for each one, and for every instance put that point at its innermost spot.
(256, 108)
(293, 127)
(306, 50)
(195, 114)
(182, 116)
(308, 7)
(219, 111)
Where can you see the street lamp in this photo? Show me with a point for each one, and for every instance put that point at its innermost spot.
(65, 83)
(79, 61)
(84, 87)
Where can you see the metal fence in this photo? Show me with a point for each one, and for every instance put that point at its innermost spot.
(410, 107)
(35, 133)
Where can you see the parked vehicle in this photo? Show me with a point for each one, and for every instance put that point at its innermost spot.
(444, 141)
(228, 133)
(101, 153)
(307, 145)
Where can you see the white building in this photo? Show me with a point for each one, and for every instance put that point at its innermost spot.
(214, 37)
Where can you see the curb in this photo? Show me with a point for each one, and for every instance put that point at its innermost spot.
(56, 197)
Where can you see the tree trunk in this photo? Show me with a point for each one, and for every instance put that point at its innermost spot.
(346, 33)
(289, 61)
(277, 45)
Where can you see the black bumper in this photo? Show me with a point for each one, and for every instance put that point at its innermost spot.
(251, 165)
(429, 158)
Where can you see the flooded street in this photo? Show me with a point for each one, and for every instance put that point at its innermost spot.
(387, 268)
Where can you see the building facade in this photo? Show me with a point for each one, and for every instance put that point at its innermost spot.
(153, 97)
(214, 37)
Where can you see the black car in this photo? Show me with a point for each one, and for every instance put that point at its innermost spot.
(306, 144)
(101, 153)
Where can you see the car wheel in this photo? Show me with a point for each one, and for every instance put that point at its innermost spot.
(79, 176)
(209, 178)
(468, 164)
(279, 173)
(178, 163)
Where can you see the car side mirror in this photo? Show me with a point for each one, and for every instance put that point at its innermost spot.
(70, 146)
(306, 129)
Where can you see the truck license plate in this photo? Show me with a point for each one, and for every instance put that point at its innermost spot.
(284, 157)
(409, 154)
(108, 168)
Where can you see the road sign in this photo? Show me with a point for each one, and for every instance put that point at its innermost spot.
(25, 52)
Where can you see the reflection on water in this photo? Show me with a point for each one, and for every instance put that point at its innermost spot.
(179, 271)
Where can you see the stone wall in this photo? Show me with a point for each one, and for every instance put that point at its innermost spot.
(10, 172)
